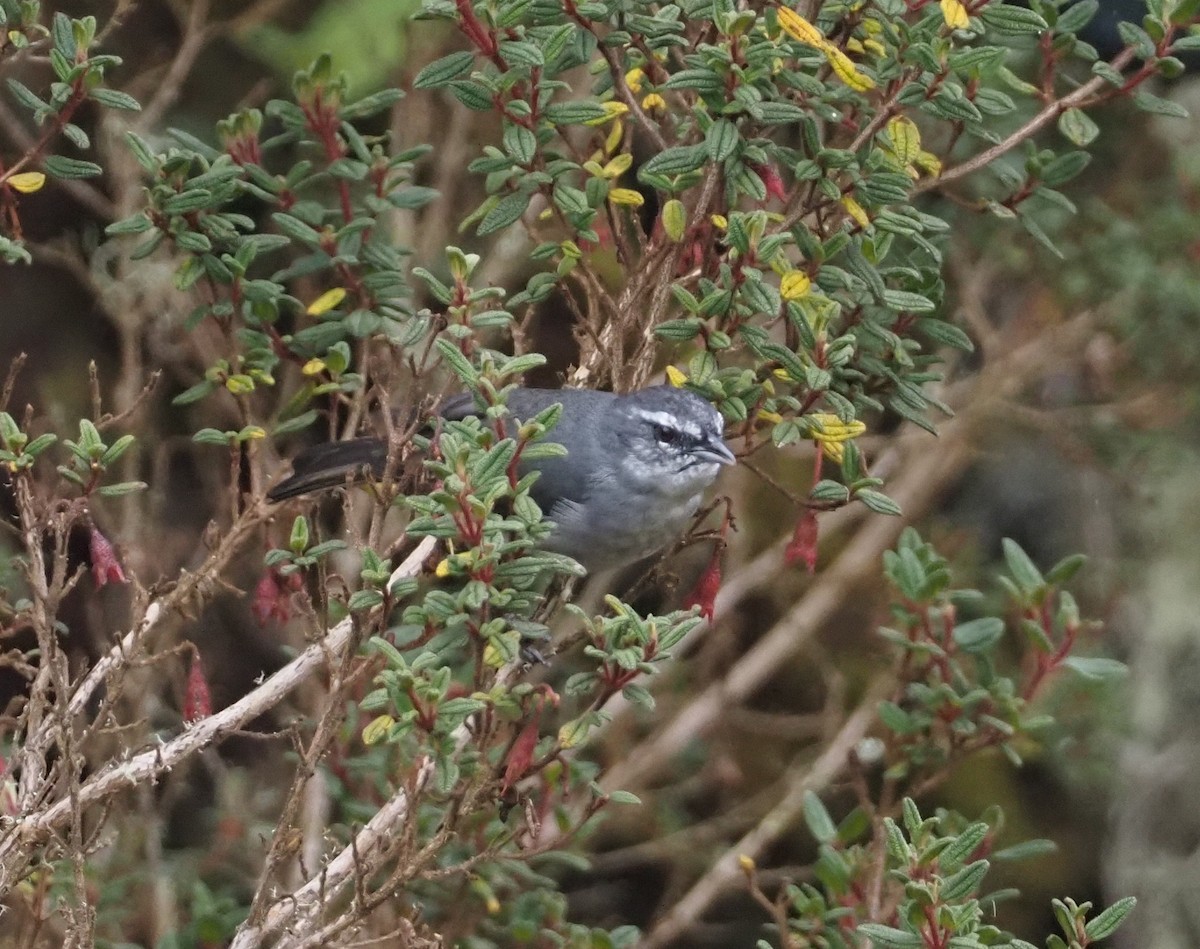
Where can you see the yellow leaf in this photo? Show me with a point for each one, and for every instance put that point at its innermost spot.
(27, 182)
(443, 569)
(634, 79)
(855, 210)
(770, 416)
(615, 135)
(955, 14)
(314, 367)
(834, 451)
(326, 301)
(719, 221)
(612, 110)
(827, 427)
(493, 658)
(240, 384)
(844, 68)
(831, 433)
(854, 46)
(677, 377)
(653, 101)
(617, 167)
(798, 28)
(746, 862)
(674, 218)
(377, 729)
(253, 432)
(794, 285)
(929, 162)
(626, 196)
(906, 139)
(874, 47)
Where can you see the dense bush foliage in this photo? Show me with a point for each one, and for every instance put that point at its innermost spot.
(752, 201)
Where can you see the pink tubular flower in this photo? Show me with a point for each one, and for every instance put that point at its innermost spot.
(106, 568)
(803, 546)
(197, 700)
(271, 600)
(704, 593)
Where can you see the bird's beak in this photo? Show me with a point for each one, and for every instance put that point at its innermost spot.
(717, 451)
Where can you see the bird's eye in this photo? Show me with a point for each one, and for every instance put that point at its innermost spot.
(666, 435)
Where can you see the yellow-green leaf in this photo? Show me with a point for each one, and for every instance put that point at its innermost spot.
(674, 218)
(906, 139)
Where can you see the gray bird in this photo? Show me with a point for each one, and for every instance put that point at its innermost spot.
(636, 467)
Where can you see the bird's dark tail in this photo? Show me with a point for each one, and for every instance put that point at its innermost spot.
(332, 464)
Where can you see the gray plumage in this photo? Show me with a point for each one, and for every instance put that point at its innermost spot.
(636, 467)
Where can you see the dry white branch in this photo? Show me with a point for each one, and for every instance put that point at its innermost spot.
(809, 776)
(37, 827)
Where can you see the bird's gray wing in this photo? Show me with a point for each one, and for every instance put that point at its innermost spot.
(564, 483)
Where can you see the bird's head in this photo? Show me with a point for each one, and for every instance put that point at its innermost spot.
(671, 439)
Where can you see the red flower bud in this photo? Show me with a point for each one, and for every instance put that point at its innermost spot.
(520, 756)
(105, 566)
(803, 546)
(197, 701)
(271, 600)
(704, 593)
(772, 179)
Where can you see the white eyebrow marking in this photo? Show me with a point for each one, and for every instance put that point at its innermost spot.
(667, 420)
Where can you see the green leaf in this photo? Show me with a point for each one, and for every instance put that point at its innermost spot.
(878, 502)
(965, 882)
(820, 824)
(1026, 850)
(504, 212)
(1077, 126)
(1107, 922)
(441, 71)
(721, 140)
(520, 143)
(25, 96)
(963, 846)
(474, 95)
(889, 938)
(675, 161)
(1096, 668)
(1065, 167)
(945, 333)
(64, 35)
(458, 362)
(1158, 106)
(1013, 21)
(1076, 16)
(979, 635)
(1027, 576)
(908, 302)
(62, 167)
(574, 113)
(1065, 569)
(115, 99)
(123, 488)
